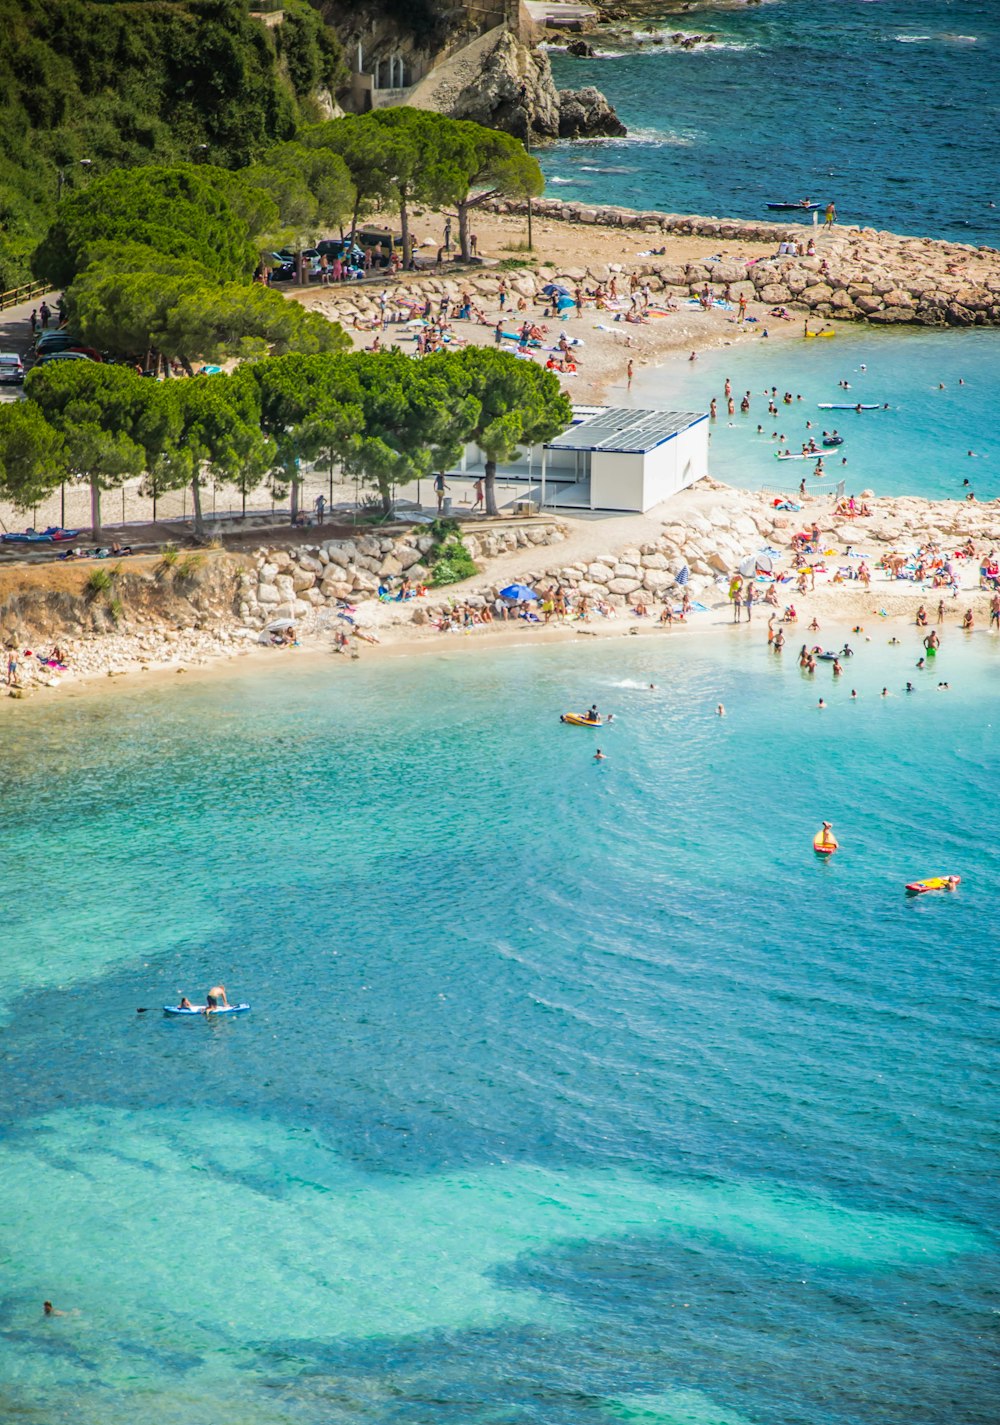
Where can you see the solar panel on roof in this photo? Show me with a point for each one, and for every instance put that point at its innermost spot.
(625, 430)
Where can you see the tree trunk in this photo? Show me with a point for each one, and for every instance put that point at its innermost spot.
(294, 501)
(463, 231)
(95, 511)
(199, 522)
(491, 487)
(404, 227)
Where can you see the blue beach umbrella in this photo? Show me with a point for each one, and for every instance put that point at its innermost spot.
(520, 593)
(553, 289)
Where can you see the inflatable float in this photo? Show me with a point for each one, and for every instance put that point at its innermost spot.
(173, 1009)
(824, 848)
(932, 883)
(578, 720)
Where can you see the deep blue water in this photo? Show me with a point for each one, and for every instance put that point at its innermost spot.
(571, 1092)
(885, 106)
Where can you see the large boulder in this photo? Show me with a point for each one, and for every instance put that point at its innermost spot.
(585, 113)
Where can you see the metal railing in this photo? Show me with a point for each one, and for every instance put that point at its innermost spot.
(16, 295)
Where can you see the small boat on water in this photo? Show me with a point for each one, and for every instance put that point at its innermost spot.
(579, 720)
(829, 440)
(800, 207)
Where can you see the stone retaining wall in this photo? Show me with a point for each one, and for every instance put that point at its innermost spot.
(291, 583)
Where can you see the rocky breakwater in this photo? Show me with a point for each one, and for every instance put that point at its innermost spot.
(693, 555)
(301, 583)
(856, 274)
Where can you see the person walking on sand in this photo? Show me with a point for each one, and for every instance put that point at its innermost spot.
(994, 612)
(748, 598)
(831, 215)
(629, 370)
(735, 593)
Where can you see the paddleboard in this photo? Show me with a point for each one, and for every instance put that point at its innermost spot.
(836, 406)
(932, 883)
(174, 1009)
(805, 455)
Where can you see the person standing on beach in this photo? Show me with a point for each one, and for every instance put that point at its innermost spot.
(994, 612)
(743, 310)
(628, 376)
(735, 593)
(748, 597)
(831, 215)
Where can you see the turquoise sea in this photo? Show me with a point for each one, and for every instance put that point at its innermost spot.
(919, 446)
(888, 107)
(571, 1092)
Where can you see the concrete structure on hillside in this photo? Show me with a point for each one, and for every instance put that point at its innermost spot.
(611, 458)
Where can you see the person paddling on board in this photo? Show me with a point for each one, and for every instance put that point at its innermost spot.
(216, 999)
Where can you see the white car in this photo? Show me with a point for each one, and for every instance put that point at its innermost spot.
(11, 368)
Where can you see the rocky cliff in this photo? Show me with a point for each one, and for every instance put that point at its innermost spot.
(504, 83)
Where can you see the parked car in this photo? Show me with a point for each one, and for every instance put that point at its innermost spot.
(59, 340)
(11, 368)
(49, 356)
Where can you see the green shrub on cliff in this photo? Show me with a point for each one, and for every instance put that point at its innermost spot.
(145, 81)
(448, 559)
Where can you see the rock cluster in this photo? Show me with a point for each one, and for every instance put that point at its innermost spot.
(293, 583)
(705, 546)
(858, 273)
(512, 88)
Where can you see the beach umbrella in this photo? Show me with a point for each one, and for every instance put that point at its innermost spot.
(520, 593)
(280, 624)
(552, 289)
(756, 564)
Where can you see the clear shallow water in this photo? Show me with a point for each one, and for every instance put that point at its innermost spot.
(570, 1092)
(886, 106)
(920, 446)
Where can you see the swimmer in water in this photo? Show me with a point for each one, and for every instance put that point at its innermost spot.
(910, 688)
(885, 692)
(821, 704)
(50, 1310)
(854, 693)
(720, 711)
(599, 756)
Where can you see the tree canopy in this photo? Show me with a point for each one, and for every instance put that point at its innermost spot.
(178, 212)
(100, 412)
(129, 82)
(31, 455)
(517, 403)
(133, 300)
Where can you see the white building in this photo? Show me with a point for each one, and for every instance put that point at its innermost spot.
(610, 458)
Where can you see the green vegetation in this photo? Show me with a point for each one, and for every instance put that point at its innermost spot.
(448, 560)
(517, 403)
(87, 86)
(410, 156)
(99, 581)
(382, 416)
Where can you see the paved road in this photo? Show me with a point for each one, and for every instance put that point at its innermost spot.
(15, 335)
